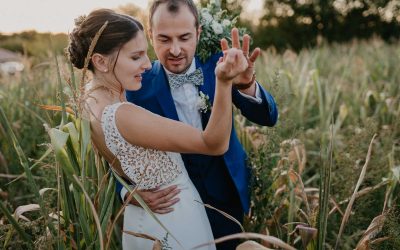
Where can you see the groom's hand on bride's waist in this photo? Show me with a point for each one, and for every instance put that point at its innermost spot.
(158, 200)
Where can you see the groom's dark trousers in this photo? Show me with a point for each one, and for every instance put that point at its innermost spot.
(222, 181)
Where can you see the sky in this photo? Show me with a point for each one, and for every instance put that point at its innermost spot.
(58, 15)
(50, 15)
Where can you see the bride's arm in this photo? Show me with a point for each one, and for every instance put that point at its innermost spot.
(143, 128)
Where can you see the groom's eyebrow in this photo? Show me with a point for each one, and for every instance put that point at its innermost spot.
(182, 35)
(162, 36)
(186, 34)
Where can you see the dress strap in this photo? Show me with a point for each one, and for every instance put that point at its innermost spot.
(109, 126)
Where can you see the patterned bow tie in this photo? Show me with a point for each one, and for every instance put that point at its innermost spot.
(195, 78)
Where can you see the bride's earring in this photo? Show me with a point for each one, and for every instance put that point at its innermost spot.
(100, 62)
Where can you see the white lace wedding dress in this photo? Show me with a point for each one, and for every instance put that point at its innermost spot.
(151, 168)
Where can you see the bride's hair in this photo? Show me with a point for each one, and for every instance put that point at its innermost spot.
(119, 30)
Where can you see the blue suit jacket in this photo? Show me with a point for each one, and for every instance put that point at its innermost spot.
(156, 97)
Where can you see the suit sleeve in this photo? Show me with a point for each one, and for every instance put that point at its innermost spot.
(118, 189)
(265, 113)
(121, 190)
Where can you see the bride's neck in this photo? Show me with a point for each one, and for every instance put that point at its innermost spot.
(114, 92)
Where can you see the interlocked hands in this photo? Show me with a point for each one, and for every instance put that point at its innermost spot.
(246, 78)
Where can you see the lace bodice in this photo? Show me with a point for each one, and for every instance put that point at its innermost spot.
(148, 168)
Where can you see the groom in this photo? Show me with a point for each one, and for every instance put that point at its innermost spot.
(222, 181)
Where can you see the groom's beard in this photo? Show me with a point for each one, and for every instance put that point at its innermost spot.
(178, 64)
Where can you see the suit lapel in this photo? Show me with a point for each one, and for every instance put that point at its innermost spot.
(207, 86)
(163, 92)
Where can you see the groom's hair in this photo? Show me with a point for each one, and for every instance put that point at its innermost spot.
(173, 7)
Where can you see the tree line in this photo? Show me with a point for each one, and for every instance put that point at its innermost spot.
(297, 24)
(294, 24)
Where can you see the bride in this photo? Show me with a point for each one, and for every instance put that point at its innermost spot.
(143, 146)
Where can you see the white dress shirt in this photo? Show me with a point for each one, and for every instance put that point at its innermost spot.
(185, 99)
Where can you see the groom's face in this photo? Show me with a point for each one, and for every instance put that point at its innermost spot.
(174, 37)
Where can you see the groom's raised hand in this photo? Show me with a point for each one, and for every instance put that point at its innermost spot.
(158, 200)
(246, 80)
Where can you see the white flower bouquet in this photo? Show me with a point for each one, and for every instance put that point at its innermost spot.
(215, 24)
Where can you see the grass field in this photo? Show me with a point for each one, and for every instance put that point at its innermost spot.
(327, 172)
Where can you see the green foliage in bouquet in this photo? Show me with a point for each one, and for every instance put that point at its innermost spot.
(215, 24)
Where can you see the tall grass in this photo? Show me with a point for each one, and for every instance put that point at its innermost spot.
(85, 213)
(358, 85)
(79, 214)
(332, 100)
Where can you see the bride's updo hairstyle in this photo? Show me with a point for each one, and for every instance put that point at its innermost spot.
(119, 30)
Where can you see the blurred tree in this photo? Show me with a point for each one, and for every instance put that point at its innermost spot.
(302, 23)
(34, 44)
(135, 11)
(232, 6)
(142, 16)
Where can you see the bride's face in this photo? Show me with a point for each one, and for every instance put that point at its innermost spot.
(132, 61)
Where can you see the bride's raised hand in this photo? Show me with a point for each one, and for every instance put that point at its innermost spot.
(231, 64)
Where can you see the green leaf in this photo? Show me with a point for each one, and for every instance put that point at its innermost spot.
(73, 134)
(85, 138)
(59, 140)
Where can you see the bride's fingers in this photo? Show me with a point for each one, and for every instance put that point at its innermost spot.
(235, 38)
(225, 60)
(226, 67)
(224, 44)
(238, 62)
(230, 57)
(233, 63)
